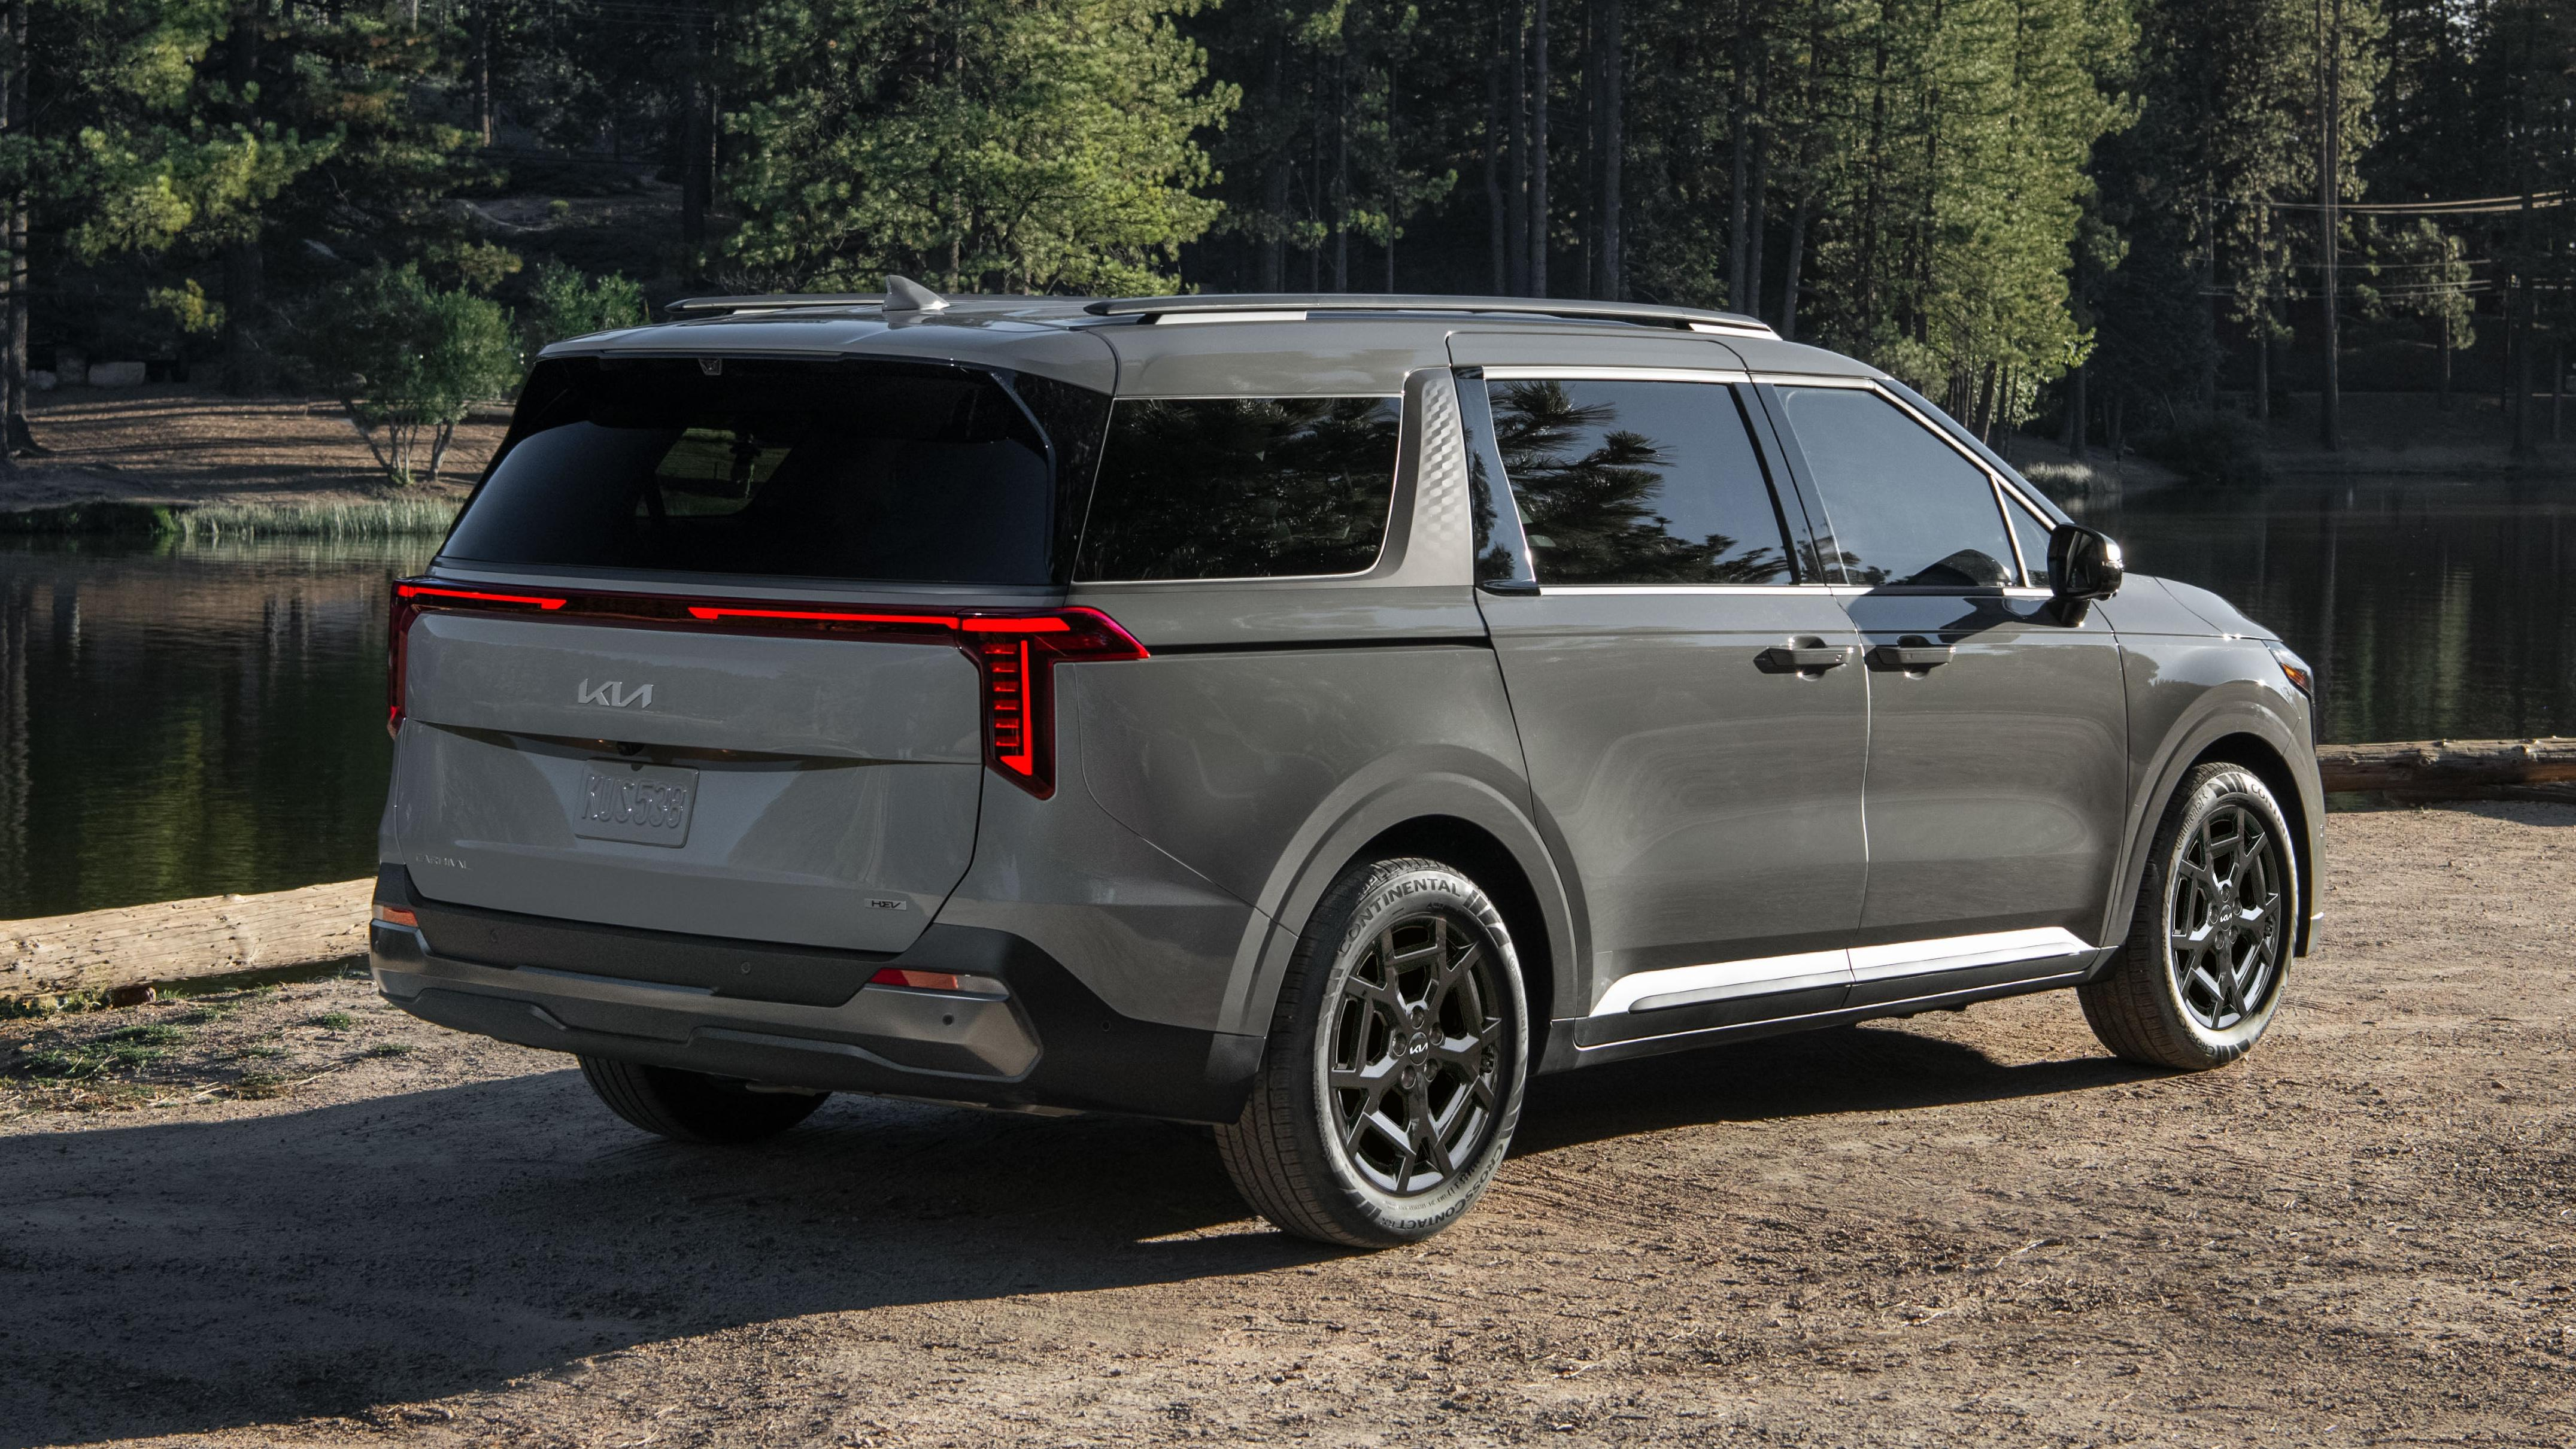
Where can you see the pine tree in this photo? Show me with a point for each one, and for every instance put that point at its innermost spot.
(983, 145)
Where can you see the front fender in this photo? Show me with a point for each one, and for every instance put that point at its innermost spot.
(2190, 729)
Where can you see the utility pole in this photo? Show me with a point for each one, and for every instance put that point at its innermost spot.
(2329, 195)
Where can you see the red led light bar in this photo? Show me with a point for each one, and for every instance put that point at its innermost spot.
(1015, 654)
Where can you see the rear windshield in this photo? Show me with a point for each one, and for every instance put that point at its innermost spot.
(888, 472)
(1245, 487)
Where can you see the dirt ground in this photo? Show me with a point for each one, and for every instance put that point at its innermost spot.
(188, 443)
(299, 1217)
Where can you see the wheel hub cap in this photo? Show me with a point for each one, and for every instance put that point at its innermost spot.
(2226, 920)
(1411, 1061)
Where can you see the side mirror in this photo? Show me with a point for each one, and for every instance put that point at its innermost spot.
(2084, 564)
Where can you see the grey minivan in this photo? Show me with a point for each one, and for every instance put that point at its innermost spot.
(1307, 715)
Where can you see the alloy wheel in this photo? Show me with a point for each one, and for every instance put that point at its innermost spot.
(2225, 929)
(1414, 1053)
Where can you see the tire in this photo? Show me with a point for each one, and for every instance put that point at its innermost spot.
(2202, 973)
(692, 1106)
(1410, 941)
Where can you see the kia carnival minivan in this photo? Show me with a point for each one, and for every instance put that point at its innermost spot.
(1312, 716)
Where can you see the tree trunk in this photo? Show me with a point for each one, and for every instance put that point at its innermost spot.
(1497, 220)
(482, 41)
(1761, 184)
(2442, 388)
(1518, 192)
(2263, 365)
(245, 270)
(13, 234)
(2073, 438)
(1538, 153)
(694, 177)
(1394, 171)
(1740, 167)
(2329, 196)
(1789, 270)
(1341, 197)
(1611, 39)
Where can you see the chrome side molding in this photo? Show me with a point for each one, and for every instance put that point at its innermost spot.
(1721, 980)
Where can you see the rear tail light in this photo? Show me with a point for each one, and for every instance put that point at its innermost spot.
(1015, 654)
(410, 598)
(1019, 655)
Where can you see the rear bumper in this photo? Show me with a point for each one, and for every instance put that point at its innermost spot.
(685, 1002)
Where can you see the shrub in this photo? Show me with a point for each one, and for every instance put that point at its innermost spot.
(409, 361)
(2224, 448)
(564, 303)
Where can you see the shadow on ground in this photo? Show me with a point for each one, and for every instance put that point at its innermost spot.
(187, 1277)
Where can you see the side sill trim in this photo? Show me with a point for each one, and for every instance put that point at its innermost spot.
(1720, 980)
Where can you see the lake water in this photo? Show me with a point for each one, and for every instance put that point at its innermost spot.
(186, 719)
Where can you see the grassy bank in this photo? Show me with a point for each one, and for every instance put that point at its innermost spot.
(285, 518)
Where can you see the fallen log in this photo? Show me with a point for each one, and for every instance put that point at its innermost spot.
(2429, 768)
(98, 951)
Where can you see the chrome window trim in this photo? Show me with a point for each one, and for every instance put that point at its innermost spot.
(1761, 975)
(1618, 589)
(1609, 372)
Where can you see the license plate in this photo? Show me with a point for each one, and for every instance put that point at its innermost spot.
(645, 804)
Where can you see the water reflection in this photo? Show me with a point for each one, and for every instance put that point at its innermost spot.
(187, 719)
(2430, 609)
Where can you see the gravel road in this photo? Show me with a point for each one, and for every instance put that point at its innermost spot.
(298, 1217)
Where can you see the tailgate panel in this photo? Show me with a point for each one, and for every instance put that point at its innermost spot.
(833, 801)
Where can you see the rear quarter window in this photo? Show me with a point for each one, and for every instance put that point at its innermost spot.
(1232, 488)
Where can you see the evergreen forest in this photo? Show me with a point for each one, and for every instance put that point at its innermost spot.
(2102, 219)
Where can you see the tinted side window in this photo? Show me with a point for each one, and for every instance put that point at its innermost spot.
(1905, 507)
(2031, 531)
(1230, 488)
(1638, 483)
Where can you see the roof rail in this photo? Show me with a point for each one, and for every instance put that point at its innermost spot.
(770, 301)
(1274, 303)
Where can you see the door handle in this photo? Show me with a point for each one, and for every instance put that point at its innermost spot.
(1922, 655)
(1783, 659)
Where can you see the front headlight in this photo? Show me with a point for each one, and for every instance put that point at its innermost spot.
(2296, 670)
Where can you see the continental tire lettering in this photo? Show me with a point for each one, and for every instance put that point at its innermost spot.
(1390, 895)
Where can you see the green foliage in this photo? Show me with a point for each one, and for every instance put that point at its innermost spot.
(563, 303)
(188, 306)
(409, 361)
(135, 151)
(981, 145)
(478, 266)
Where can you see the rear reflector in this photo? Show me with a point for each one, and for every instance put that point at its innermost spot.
(965, 984)
(396, 916)
(1015, 654)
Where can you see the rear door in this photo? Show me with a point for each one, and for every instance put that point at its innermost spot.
(695, 658)
(1998, 732)
(1689, 700)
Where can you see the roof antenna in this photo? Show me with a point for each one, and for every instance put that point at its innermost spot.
(903, 294)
